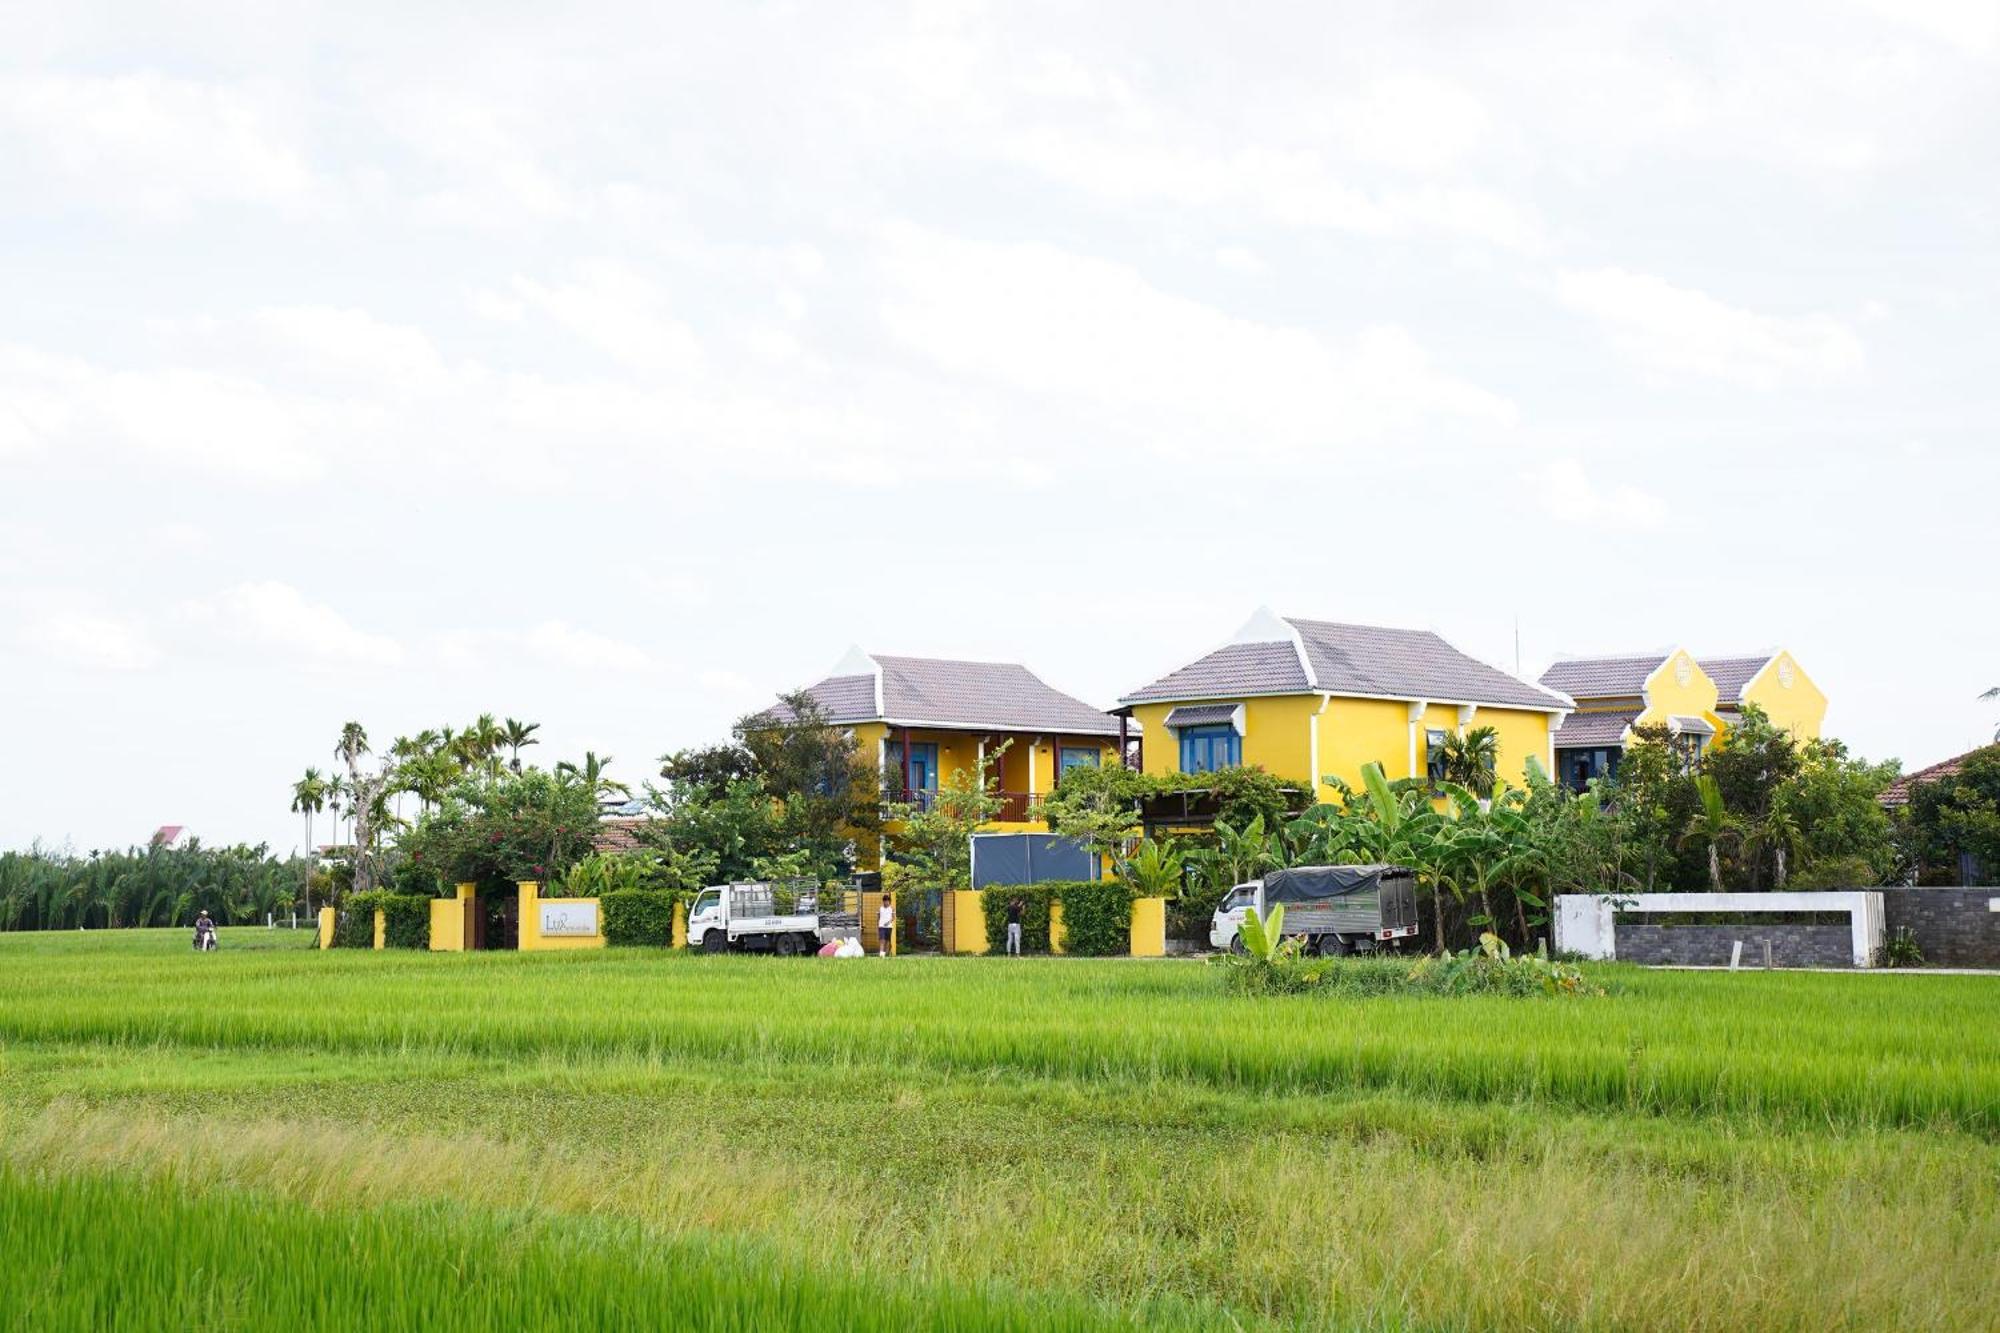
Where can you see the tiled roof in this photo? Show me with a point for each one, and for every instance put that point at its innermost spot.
(1731, 674)
(918, 691)
(1898, 792)
(1198, 715)
(1684, 725)
(1603, 677)
(1236, 668)
(1349, 659)
(1593, 730)
(1410, 664)
(617, 835)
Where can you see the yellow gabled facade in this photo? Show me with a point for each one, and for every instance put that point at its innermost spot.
(1788, 696)
(1328, 726)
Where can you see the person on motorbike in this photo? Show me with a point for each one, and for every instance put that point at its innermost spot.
(204, 931)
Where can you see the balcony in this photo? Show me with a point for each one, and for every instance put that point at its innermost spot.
(1014, 805)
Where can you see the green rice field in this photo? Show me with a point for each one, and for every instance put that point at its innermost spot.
(271, 1136)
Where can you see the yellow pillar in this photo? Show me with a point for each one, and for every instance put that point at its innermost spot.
(327, 917)
(381, 928)
(1056, 934)
(1149, 927)
(448, 925)
(968, 908)
(528, 920)
(680, 925)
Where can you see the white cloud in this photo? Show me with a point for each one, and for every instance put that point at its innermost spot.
(621, 313)
(1567, 493)
(1678, 330)
(214, 420)
(152, 145)
(562, 644)
(278, 617)
(1052, 323)
(1241, 259)
(91, 641)
(348, 344)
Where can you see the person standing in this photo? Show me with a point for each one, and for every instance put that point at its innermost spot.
(885, 926)
(1014, 910)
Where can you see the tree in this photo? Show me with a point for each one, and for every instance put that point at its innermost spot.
(935, 838)
(1777, 835)
(366, 797)
(309, 798)
(831, 793)
(1712, 827)
(1471, 760)
(1157, 870)
(708, 770)
(1096, 808)
(517, 735)
(1993, 693)
(591, 774)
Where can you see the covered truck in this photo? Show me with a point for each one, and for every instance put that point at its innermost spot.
(789, 917)
(1337, 909)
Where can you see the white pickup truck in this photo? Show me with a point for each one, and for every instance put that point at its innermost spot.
(788, 918)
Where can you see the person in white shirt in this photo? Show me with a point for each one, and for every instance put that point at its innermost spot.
(885, 925)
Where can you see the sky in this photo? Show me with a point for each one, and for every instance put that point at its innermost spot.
(615, 366)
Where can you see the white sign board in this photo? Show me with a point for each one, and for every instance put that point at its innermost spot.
(569, 918)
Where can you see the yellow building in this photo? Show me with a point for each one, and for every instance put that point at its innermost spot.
(1310, 700)
(925, 718)
(1695, 699)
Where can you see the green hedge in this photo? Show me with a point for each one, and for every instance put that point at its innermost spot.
(354, 928)
(1097, 917)
(638, 916)
(1035, 900)
(406, 920)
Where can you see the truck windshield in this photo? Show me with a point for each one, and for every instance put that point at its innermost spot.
(705, 902)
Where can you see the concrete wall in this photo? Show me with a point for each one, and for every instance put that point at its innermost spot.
(1954, 927)
(1587, 923)
(1791, 946)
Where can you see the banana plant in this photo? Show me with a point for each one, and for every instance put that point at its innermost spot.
(1264, 940)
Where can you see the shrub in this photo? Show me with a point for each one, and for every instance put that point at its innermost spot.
(638, 917)
(1097, 917)
(1035, 900)
(1901, 949)
(1490, 969)
(354, 928)
(406, 920)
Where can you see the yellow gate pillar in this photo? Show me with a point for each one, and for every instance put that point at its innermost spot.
(381, 928)
(968, 922)
(680, 936)
(1149, 927)
(1057, 935)
(327, 917)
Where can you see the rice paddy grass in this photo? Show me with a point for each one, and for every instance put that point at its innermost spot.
(633, 1137)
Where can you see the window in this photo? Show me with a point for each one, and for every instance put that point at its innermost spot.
(1434, 757)
(708, 901)
(1578, 767)
(923, 772)
(1206, 749)
(1075, 756)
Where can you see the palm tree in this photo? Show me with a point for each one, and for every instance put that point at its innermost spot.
(1712, 826)
(352, 745)
(515, 734)
(1993, 693)
(1471, 760)
(592, 774)
(1777, 833)
(480, 743)
(309, 798)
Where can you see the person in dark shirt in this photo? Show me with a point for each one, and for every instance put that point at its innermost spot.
(1014, 909)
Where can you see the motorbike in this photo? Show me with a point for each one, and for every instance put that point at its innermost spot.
(204, 939)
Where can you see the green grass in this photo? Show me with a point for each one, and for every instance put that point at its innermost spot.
(1049, 1140)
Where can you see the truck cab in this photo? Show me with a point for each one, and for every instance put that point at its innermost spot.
(1225, 929)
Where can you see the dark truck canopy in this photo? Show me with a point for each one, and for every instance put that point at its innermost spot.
(1311, 884)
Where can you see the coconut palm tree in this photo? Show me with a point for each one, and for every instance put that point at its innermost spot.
(1993, 693)
(515, 734)
(309, 798)
(591, 772)
(1777, 833)
(1712, 827)
(480, 743)
(1472, 759)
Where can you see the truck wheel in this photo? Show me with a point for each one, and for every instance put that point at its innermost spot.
(1334, 946)
(715, 941)
(787, 945)
(1236, 944)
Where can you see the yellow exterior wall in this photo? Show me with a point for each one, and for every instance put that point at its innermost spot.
(1149, 928)
(529, 922)
(1800, 707)
(447, 925)
(1278, 737)
(1667, 695)
(326, 921)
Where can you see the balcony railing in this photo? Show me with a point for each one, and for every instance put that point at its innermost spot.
(1014, 805)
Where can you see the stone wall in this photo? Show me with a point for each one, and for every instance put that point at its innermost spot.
(1791, 946)
(1954, 927)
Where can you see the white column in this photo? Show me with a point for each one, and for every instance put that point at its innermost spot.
(1417, 707)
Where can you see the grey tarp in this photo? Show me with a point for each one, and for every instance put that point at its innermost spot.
(1028, 858)
(1311, 884)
